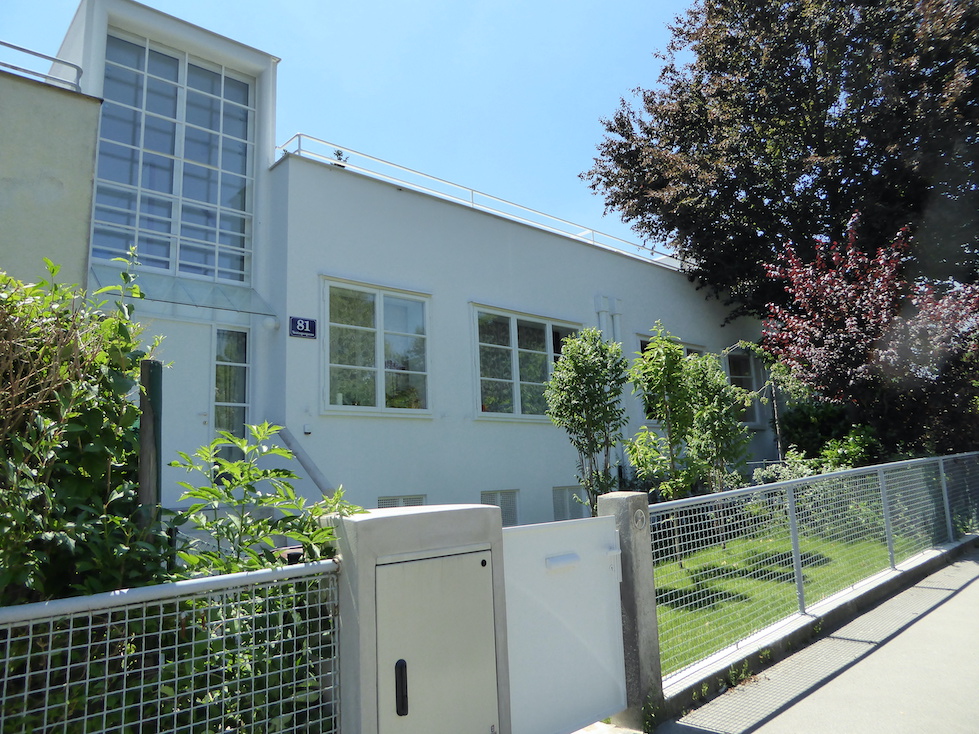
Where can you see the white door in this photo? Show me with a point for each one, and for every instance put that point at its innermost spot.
(436, 646)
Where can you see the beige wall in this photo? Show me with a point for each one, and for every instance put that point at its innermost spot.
(47, 167)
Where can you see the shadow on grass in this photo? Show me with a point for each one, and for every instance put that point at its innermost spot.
(701, 596)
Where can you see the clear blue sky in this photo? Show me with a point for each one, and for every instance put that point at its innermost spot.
(502, 96)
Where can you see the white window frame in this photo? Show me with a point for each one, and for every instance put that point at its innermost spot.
(379, 369)
(246, 365)
(508, 500)
(223, 243)
(750, 381)
(564, 328)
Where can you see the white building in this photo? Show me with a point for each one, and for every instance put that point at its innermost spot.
(400, 336)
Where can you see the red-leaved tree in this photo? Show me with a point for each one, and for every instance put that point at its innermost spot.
(901, 357)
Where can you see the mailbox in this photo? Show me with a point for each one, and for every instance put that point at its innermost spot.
(423, 621)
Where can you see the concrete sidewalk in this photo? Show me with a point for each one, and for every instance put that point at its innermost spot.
(910, 664)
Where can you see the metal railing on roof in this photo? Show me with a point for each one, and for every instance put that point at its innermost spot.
(321, 150)
(55, 79)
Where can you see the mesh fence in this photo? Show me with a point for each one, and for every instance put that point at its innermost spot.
(962, 482)
(731, 564)
(246, 653)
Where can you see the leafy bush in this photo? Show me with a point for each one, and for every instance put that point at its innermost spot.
(584, 398)
(243, 509)
(69, 444)
(255, 658)
(701, 437)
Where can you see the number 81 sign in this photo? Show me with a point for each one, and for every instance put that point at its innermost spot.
(302, 327)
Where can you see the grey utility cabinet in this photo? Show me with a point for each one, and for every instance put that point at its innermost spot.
(423, 622)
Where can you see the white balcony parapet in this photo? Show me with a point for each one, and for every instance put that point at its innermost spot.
(61, 74)
(321, 150)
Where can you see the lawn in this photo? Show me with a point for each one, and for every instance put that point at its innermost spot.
(716, 596)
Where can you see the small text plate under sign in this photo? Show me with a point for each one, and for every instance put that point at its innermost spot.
(302, 327)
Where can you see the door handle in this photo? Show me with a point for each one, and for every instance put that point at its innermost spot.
(401, 688)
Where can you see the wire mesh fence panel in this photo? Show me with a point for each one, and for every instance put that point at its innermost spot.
(917, 512)
(841, 532)
(962, 482)
(723, 570)
(255, 657)
(727, 565)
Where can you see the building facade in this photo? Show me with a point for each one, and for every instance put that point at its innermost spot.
(400, 337)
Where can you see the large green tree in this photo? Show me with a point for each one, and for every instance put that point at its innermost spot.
(774, 121)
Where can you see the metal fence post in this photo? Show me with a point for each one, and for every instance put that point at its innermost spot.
(796, 549)
(643, 676)
(886, 504)
(150, 433)
(949, 525)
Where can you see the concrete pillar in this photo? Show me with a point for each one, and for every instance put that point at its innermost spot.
(643, 676)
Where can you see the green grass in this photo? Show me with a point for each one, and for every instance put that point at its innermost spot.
(719, 595)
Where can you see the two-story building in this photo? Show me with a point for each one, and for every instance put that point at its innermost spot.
(399, 330)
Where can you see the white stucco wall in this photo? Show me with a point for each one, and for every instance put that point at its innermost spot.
(47, 165)
(334, 223)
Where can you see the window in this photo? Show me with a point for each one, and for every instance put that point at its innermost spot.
(566, 504)
(506, 500)
(740, 369)
(174, 175)
(688, 349)
(414, 500)
(231, 383)
(377, 349)
(515, 359)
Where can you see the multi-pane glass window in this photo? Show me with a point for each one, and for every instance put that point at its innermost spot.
(231, 381)
(740, 370)
(174, 174)
(377, 349)
(515, 359)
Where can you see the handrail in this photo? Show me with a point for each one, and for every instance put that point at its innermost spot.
(663, 507)
(422, 182)
(57, 80)
(161, 592)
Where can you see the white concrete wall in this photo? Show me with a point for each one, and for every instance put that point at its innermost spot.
(47, 165)
(331, 222)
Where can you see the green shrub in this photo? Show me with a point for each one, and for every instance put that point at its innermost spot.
(244, 510)
(69, 434)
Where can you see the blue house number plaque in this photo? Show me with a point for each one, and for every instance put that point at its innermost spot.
(302, 327)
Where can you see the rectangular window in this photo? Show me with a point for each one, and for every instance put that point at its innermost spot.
(741, 372)
(231, 383)
(413, 500)
(378, 348)
(567, 505)
(515, 356)
(506, 500)
(175, 156)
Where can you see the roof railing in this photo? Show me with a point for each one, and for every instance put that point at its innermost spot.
(338, 155)
(57, 80)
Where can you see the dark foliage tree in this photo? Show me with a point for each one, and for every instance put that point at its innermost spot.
(900, 357)
(773, 121)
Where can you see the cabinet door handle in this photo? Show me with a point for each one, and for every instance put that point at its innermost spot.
(401, 687)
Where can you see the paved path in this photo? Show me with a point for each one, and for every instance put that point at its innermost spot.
(911, 664)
